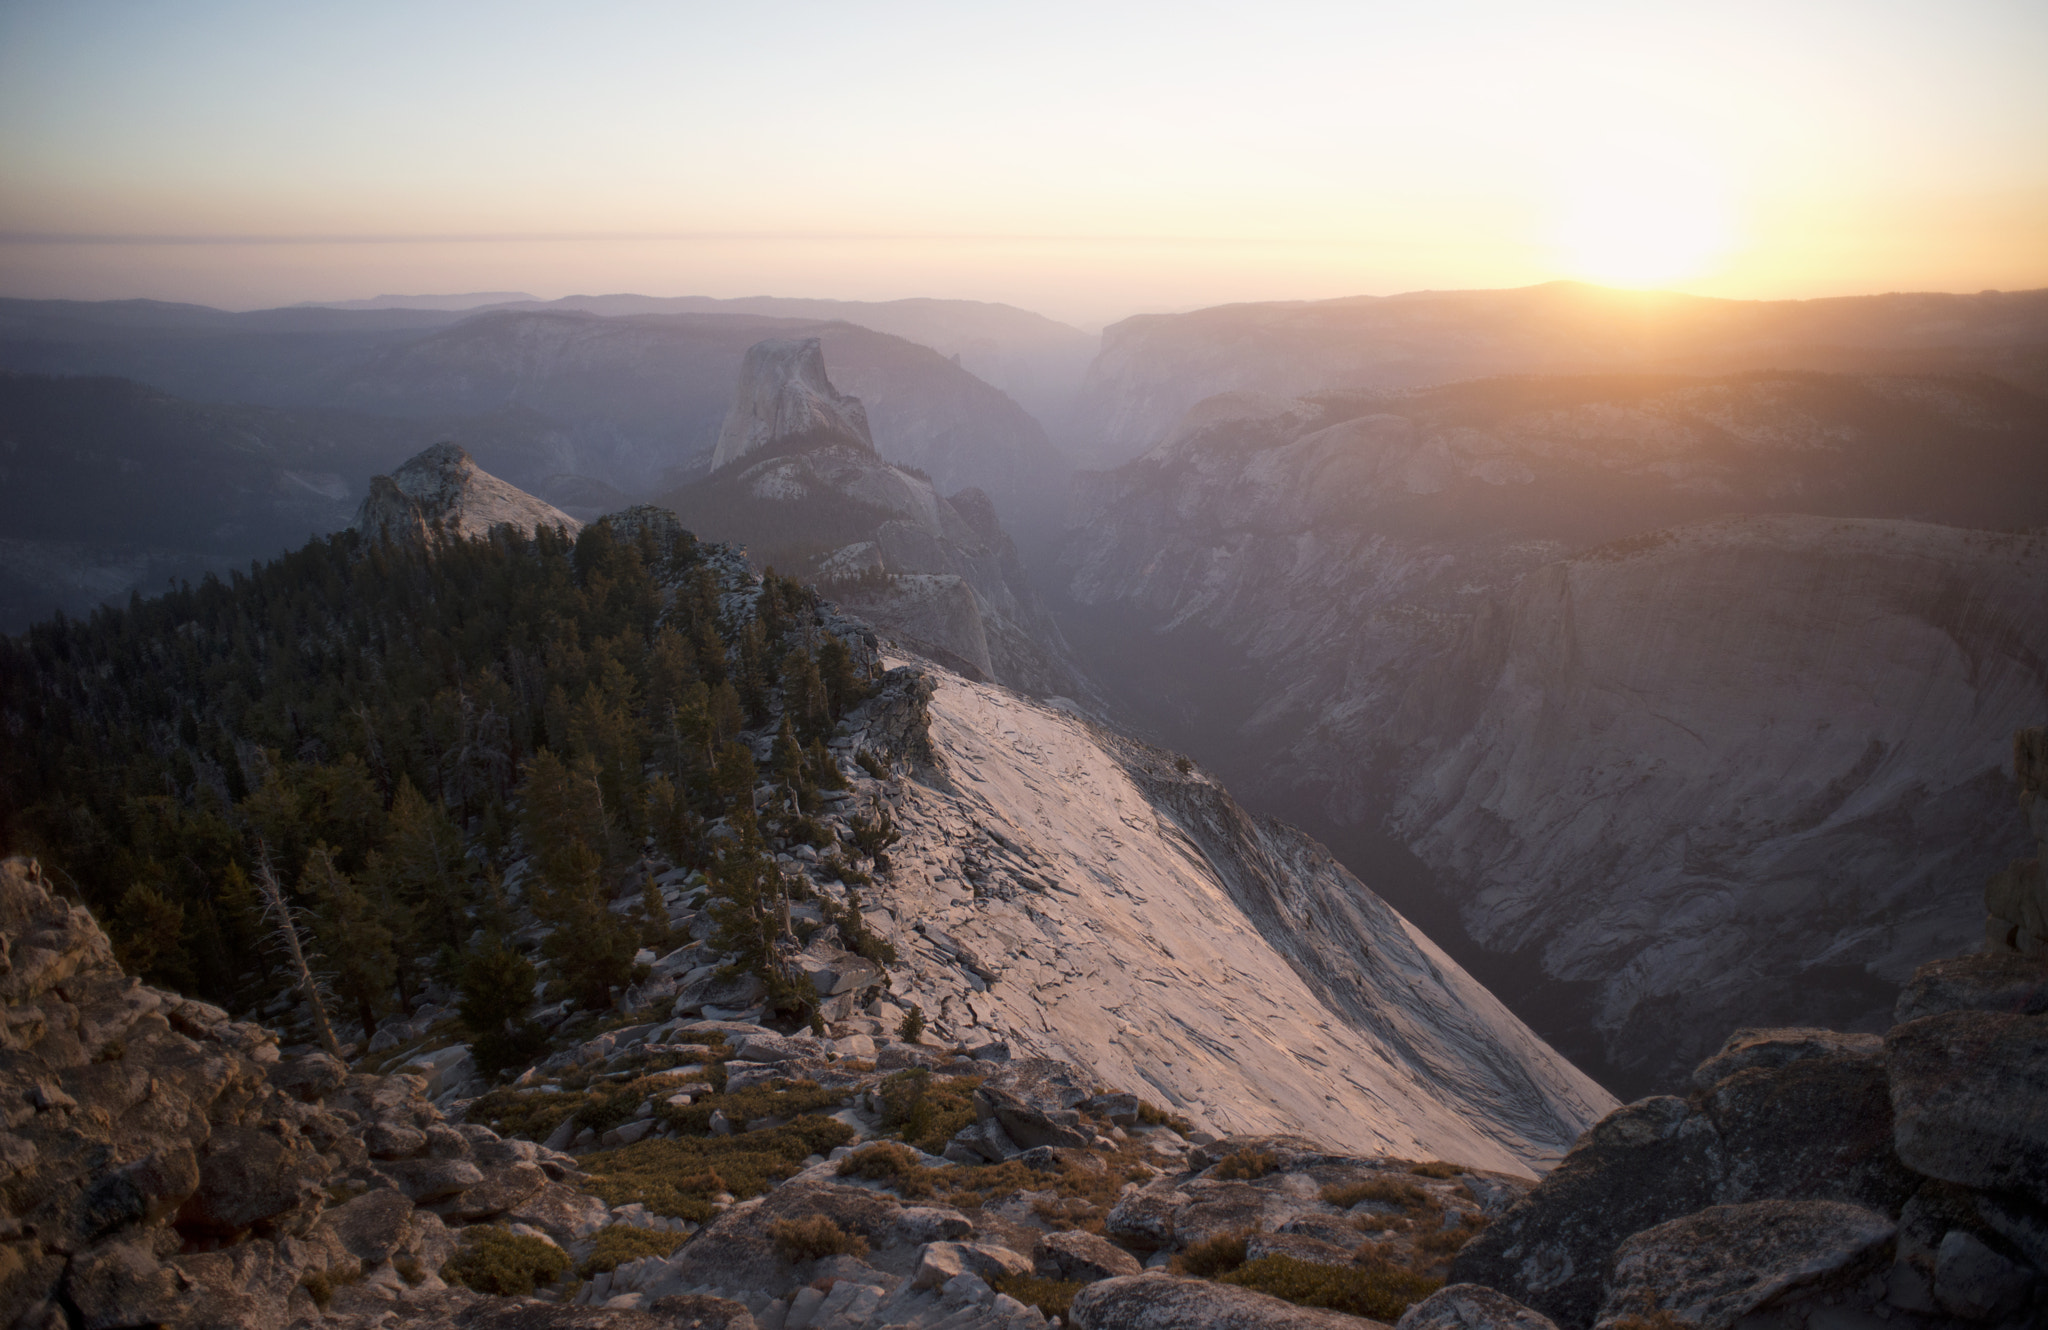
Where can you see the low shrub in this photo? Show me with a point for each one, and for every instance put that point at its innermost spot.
(1386, 1191)
(1052, 1297)
(890, 1163)
(493, 1259)
(1154, 1116)
(777, 1099)
(927, 1110)
(812, 1237)
(680, 1177)
(1381, 1291)
(1245, 1165)
(616, 1244)
(1437, 1168)
(1215, 1256)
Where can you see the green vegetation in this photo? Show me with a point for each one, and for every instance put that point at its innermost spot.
(924, 1109)
(616, 1244)
(813, 1237)
(890, 1163)
(381, 720)
(493, 1259)
(911, 1027)
(1381, 1291)
(681, 1177)
(1154, 1116)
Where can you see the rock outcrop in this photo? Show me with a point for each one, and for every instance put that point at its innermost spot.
(785, 401)
(443, 494)
(161, 1164)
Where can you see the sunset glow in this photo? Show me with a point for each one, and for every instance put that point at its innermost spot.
(1087, 161)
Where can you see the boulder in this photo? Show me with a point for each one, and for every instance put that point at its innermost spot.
(770, 1047)
(120, 1284)
(695, 1311)
(1976, 1283)
(1966, 1090)
(1159, 1301)
(561, 1212)
(1216, 1208)
(503, 1188)
(1714, 1267)
(1776, 1048)
(1299, 1247)
(1119, 1106)
(1471, 1307)
(428, 1180)
(1979, 981)
(1143, 1216)
(1639, 1166)
(834, 971)
(373, 1225)
(309, 1079)
(248, 1175)
(1083, 1256)
(1817, 1128)
(939, 1262)
(737, 1249)
(1034, 1101)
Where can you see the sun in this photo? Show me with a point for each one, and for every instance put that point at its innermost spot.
(1640, 221)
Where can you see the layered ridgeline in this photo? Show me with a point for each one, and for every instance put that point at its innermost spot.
(638, 865)
(1720, 767)
(797, 479)
(561, 400)
(1154, 367)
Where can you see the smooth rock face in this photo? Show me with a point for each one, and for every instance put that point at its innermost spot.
(1156, 1301)
(1093, 905)
(442, 490)
(784, 397)
(1968, 1092)
(1713, 1267)
(1471, 1307)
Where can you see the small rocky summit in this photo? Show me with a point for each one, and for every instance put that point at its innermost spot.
(443, 491)
(784, 397)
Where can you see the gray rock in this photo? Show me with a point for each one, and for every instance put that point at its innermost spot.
(248, 1175)
(1083, 1256)
(503, 1188)
(373, 1225)
(1144, 1217)
(1119, 1106)
(393, 1140)
(737, 1249)
(1299, 1247)
(1979, 981)
(940, 1262)
(1776, 1048)
(1471, 1307)
(783, 394)
(1159, 1301)
(1714, 1267)
(309, 1079)
(1966, 1087)
(695, 1311)
(443, 489)
(428, 1180)
(1976, 1283)
(1034, 1100)
(919, 1224)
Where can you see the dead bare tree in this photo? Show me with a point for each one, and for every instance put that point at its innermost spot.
(291, 937)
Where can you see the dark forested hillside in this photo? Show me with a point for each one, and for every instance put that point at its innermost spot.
(380, 726)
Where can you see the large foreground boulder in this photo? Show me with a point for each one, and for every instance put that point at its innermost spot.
(1471, 1307)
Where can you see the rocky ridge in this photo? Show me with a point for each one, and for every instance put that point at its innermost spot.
(784, 399)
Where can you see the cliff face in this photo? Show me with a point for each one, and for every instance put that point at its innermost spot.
(1743, 772)
(443, 490)
(1389, 571)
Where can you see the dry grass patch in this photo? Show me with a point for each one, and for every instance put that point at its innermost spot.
(1214, 1257)
(924, 1109)
(1053, 1297)
(893, 1164)
(1379, 1290)
(1246, 1165)
(681, 1177)
(1438, 1169)
(1384, 1191)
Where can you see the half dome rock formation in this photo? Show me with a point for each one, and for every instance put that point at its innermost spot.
(443, 490)
(799, 484)
(784, 399)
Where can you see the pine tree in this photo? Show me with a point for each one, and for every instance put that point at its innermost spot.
(352, 936)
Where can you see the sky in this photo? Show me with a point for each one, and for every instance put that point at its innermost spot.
(1087, 161)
